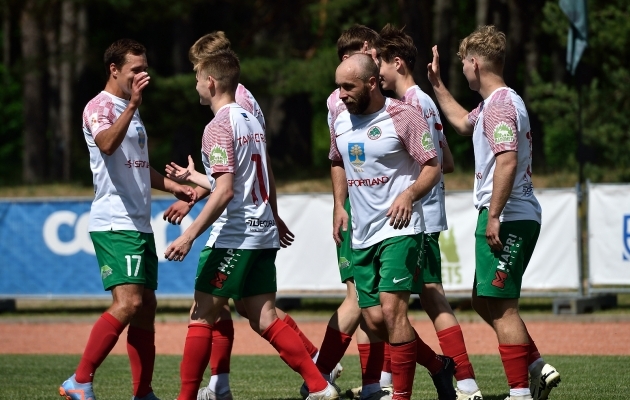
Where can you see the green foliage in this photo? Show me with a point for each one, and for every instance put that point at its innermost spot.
(10, 128)
(267, 377)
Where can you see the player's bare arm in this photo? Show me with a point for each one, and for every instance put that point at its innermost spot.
(216, 204)
(448, 163)
(187, 175)
(176, 212)
(110, 139)
(401, 209)
(285, 235)
(340, 192)
(456, 115)
(182, 192)
(502, 183)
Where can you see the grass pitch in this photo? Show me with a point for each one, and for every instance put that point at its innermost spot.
(36, 377)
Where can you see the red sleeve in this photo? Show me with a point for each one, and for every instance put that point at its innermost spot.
(218, 144)
(413, 130)
(500, 126)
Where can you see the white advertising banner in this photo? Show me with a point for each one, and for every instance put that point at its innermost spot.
(310, 264)
(609, 234)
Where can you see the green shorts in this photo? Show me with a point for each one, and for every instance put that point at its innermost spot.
(236, 273)
(432, 265)
(393, 265)
(126, 257)
(344, 252)
(500, 273)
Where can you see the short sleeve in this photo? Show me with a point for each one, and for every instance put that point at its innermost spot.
(218, 144)
(413, 130)
(99, 114)
(474, 114)
(500, 126)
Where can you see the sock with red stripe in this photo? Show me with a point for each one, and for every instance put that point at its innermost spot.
(333, 348)
(141, 351)
(403, 368)
(197, 351)
(514, 358)
(308, 345)
(103, 338)
(222, 342)
(292, 351)
(452, 344)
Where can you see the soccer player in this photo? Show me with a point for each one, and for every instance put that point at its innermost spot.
(383, 156)
(120, 221)
(239, 261)
(398, 58)
(509, 214)
(218, 387)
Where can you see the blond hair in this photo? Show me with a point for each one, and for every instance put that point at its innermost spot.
(486, 41)
(224, 66)
(206, 45)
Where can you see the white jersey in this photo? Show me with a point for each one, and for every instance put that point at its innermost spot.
(382, 155)
(501, 124)
(245, 99)
(433, 204)
(122, 181)
(234, 142)
(335, 107)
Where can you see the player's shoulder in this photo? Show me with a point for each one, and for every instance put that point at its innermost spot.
(102, 99)
(333, 101)
(396, 107)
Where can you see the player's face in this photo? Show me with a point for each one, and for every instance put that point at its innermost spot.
(356, 99)
(133, 65)
(203, 88)
(470, 70)
(388, 74)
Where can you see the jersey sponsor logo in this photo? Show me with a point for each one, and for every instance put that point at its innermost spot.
(501, 274)
(106, 271)
(428, 113)
(399, 280)
(499, 279)
(259, 225)
(218, 156)
(427, 142)
(479, 175)
(343, 262)
(94, 122)
(218, 280)
(626, 237)
(528, 190)
(251, 138)
(137, 164)
(374, 133)
(368, 181)
(503, 134)
(142, 137)
(357, 151)
(245, 116)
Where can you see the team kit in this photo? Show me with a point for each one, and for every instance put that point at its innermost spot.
(388, 158)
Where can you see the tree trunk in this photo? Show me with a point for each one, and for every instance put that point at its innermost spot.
(52, 88)
(481, 15)
(418, 25)
(66, 46)
(34, 163)
(6, 35)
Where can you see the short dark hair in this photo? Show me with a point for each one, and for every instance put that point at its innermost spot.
(117, 52)
(224, 66)
(353, 38)
(397, 43)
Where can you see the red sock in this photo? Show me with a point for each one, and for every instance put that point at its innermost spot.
(533, 354)
(196, 354)
(222, 341)
(403, 369)
(103, 338)
(387, 359)
(308, 345)
(452, 344)
(427, 357)
(333, 348)
(141, 351)
(371, 355)
(514, 358)
(292, 351)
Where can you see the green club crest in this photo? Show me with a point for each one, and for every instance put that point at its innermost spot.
(106, 271)
(374, 133)
(343, 263)
(427, 142)
(503, 134)
(218, 156)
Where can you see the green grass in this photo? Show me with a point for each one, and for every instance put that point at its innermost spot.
(36, 377)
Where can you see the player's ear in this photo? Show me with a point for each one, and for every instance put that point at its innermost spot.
(113, 70)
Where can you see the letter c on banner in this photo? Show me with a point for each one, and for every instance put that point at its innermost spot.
(81, 240)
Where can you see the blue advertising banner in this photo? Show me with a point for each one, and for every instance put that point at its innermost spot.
(46, 250)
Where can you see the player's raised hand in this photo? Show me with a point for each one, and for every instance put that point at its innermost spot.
(177, 250)
(400, 211)
(285, 235)
(140, 81)
(180, 174)
(340, 223)
(433, 68)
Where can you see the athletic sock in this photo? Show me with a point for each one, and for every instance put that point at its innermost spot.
(197, 351)
(514, 358)
(292, 351)
(386, 372)
(452, 345)
(533, 357)
(222, 341)
(371, 356)
(308, 345)
(220, 383)
(141, 351)
(333, 348)
(403, 368)
(427, 357)
(103, 338)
